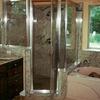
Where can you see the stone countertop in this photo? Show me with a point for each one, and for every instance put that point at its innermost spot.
(4, 60)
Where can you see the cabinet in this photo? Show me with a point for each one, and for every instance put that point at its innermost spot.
(11, 79)
(3, 83)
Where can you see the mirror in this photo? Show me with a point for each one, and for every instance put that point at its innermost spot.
(15, 22)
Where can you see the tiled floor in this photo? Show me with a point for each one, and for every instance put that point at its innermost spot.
(33, 97)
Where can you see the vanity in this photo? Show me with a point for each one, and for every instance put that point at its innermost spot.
(11, 78)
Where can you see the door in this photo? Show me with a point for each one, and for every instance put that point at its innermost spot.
(42, 46)
(48, 43)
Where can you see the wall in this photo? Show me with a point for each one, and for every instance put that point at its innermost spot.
(42, 38)
(93, 57)
(1, 7)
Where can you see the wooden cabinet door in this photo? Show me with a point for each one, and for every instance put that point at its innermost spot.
(3, 83)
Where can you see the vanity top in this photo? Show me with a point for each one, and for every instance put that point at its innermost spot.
(6, 59)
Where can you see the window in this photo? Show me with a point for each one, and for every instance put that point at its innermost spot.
(91, 26)
(94, 27)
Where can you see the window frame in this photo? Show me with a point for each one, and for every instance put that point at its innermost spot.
(85, 31)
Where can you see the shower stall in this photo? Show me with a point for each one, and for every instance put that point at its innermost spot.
(43, 33)
(49, 44)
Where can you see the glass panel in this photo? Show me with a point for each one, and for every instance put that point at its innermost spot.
(94, 27)
(69, 28)
(42, 46)
(1, 22)
(0, 31)
(61, 38)
(71, 34)
(16, 22)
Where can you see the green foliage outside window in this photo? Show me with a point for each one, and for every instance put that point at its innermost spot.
(94, 26)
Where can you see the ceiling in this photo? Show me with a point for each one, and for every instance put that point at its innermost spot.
(76, 1)
(55, 0)
(42, 2)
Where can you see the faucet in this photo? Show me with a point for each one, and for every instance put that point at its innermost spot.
(85, 62)
(73, 67)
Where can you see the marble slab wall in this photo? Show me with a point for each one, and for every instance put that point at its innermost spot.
(42, 38)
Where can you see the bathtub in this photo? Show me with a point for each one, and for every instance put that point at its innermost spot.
(82, 87)
(89, 71)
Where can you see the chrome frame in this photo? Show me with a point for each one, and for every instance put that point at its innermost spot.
(62, 57)
(31, 44)
(57, 69)
(28, 20)
(5, 20)
(66, 22)
(58, 30)
(53, 82)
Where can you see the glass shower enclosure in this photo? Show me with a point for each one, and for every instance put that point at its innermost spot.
(39, 27)
(49, 45)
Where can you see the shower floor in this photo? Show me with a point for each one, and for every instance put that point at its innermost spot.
(41, 82)
(34, 97)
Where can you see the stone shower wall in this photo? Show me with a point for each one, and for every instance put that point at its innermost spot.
(1, 7)
(93, 57)
(42, 31)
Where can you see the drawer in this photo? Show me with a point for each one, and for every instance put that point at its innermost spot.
(11, 79)
(2, 75)
(15, 86)
(2, 69)
(3, 96)
(2, 72)
(15, 63)
(15, 81)
(3, 85)
(15, 71)
(14, 90)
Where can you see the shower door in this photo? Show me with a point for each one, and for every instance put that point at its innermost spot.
(47, 44)
(42, 46)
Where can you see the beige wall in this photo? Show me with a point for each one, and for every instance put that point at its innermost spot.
(1, 8)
